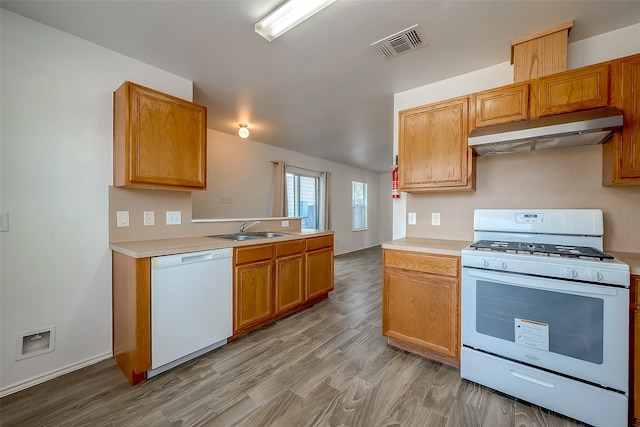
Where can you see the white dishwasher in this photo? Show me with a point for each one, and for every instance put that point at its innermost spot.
(191, 306)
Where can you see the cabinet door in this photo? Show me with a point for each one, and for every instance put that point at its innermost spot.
(580, 89)
(253, 294)
(319, 272)
(159, 140)
(503, 105)
(432, 147)
(421, 309)
(289, 282)
(621, 154)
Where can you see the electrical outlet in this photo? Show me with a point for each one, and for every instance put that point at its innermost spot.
(123, 218)
(412, 218)
(285, 223)
(174, 217)
(4, 221)
(227, 200)
(435, 218)
(149, 218)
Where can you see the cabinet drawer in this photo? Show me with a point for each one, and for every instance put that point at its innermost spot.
(575, 90)
(319, 243)
(289, 248)
(253, 253)
(414, 261)
(635, 286)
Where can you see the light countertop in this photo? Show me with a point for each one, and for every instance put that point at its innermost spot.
(433, 246)
(159, 247)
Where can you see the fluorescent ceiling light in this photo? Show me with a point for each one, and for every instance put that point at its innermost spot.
(288, 16)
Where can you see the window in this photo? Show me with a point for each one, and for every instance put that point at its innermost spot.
(359, 206)
(303, 196)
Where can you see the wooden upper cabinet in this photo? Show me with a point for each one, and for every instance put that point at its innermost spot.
(159, 141)
(432, 147)
(502, 105)
(574, 90)
(621, 155)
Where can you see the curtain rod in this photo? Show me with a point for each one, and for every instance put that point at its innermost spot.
(275, 162)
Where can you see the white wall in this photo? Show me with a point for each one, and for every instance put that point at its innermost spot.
(56, 169)
(242, 169)
(615, 44)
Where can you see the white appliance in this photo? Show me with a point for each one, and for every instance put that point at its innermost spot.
(191, 306)
(545, 313)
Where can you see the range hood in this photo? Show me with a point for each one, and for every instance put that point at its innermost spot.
(559, 131)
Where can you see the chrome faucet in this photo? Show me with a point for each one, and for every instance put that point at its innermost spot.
(244, 226)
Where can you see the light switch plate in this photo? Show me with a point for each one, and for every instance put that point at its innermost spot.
(174, 217)
(411, 218)
(435, 218)
(285, 223)
(122, 218)
(149, 218)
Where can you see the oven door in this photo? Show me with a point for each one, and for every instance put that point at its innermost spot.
(575, 329)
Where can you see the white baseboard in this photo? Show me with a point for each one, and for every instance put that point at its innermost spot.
(5, 391)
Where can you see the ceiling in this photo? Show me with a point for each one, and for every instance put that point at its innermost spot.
(320, 89)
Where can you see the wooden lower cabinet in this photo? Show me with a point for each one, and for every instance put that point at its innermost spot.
(289, 263)
(253, 286)
(421, 304)
(635, 351)
(131, 315)
(319, 266)
(274, 280)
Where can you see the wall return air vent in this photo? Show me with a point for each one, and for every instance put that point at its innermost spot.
(400, 42)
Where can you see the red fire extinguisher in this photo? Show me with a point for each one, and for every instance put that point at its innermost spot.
(395, 192)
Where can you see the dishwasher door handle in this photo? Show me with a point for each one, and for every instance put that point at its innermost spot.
(197, 258)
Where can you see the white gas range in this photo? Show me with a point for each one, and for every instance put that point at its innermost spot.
(545, 312)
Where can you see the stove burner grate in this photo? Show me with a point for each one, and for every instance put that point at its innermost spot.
(542, 249)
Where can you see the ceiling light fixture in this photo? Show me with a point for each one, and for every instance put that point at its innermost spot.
(288, 16)
(244, 130)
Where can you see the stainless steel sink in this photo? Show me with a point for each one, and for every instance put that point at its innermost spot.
(248, 236)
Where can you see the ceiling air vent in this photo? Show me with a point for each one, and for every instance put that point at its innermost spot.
(400, 42)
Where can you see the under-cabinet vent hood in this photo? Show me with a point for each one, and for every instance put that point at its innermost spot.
(560, 131)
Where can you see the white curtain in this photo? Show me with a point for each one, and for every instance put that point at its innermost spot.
(325, 194)
(279, 207)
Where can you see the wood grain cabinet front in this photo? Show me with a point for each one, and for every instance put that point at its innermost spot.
(621, 155)
(420, 304)
(433, 154)
(579, 89)
(502, 105)
(319, 266)
(290, 289)
(159, 141)
(253, 286)
(274, 280)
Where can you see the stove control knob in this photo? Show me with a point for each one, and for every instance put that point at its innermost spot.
(570, 273)
(484, 263)
(502, 265)
(594, 275)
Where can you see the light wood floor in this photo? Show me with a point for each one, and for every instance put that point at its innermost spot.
(326, 366)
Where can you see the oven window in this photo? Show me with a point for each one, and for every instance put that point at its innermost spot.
(573, 324)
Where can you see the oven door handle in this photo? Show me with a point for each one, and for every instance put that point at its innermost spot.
(524, 281)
